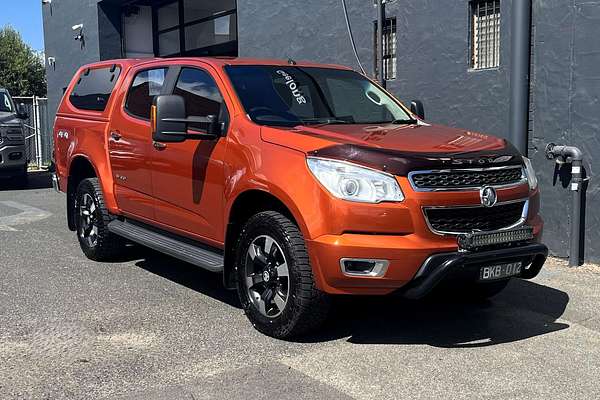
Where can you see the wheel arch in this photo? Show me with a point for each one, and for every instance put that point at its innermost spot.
(80, 168)
(245, 205)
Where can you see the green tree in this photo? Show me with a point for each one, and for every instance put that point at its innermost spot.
(22, 69)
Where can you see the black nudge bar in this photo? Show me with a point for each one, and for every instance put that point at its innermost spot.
(473, 253)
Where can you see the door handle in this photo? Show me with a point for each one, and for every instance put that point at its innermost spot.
(116, 136)
(159, 146)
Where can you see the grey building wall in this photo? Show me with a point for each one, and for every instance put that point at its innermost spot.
(59, 18)
(566, 99)
(313, 30)
(433, 65)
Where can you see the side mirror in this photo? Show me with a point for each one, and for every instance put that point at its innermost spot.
(170, 121)
(167, 119)
(416, 107)
(22, 111)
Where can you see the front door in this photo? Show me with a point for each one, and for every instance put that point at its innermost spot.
(188, 177)
(130, 143)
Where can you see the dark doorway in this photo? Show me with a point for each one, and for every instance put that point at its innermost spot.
(179, 28)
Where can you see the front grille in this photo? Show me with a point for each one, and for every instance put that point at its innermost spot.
(459, 179)
(470, 219)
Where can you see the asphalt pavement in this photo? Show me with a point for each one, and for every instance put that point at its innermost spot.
(151, 327)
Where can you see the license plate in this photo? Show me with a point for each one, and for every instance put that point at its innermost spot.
(500, 271)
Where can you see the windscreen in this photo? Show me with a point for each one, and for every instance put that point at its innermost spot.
(291, 95)
(5, 103)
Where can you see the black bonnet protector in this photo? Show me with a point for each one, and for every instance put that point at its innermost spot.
(400, 163)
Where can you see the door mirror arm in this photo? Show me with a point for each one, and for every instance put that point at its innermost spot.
(214, 128)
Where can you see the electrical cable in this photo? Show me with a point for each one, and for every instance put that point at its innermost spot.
(352, 37)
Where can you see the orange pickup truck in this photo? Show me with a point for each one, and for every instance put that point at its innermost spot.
(295, 181)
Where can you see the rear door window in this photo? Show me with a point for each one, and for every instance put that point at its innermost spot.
(94, 87)
(145, 87)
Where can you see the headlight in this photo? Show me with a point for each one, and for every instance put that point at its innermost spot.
(531, 178)
(355, 183)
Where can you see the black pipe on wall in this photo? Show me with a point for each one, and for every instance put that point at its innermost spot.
(380, 35)
(571, 154)
(519, 73)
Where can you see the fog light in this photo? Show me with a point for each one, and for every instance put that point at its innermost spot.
(363, 267)
(17, 155)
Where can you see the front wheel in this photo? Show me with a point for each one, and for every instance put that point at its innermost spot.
(274, 278)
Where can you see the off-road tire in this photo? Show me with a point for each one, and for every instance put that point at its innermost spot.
(307, 307)
(108, 245)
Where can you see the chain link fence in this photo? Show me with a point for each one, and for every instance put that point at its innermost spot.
(38, 131)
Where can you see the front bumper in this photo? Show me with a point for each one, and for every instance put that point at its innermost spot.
(466, 266)
(406, 254)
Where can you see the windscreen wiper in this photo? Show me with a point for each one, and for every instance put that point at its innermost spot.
(409, 121)
(324, 121)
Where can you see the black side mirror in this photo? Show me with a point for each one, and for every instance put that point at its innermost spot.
(22, 111)
(416, 107)
(170, 121)
(167, 119)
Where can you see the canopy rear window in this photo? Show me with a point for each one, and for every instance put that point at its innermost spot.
(94, 87)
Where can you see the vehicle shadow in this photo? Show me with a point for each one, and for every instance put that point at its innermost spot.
(524, 309)
(35, 180)
(190, 276)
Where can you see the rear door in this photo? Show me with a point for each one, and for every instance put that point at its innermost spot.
(188, 177)
(130, 141)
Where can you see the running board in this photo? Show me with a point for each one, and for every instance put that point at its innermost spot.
(201, 256)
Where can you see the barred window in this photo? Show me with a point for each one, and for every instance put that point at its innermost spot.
(485, 34)
(389, 49)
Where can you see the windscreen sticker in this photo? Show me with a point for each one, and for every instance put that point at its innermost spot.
(290, 82)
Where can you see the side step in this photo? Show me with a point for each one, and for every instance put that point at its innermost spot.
(199, 255)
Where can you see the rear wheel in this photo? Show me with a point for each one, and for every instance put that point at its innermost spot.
(92, 219)
(274, 278)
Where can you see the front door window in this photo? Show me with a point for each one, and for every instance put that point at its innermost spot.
(201, 94)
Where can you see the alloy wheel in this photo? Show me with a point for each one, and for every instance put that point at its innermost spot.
(267, 276)
(88, 220)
